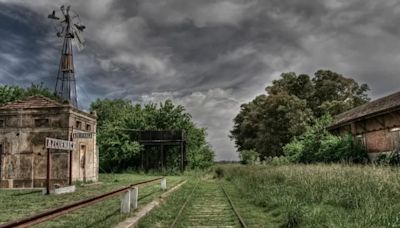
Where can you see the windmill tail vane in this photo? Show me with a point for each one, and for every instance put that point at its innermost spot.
(70, 29)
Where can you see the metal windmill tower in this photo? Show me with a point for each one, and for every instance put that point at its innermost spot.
(69, 28)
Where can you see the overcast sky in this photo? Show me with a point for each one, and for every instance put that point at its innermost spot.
(209, 56)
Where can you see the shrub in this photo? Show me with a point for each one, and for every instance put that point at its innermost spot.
(318, 145)
(249, 156)
(281, 160)
(389, 159)
(219, 172)
(201, 158)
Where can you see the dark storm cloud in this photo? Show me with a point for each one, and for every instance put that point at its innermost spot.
(208, 55)
(21, 51)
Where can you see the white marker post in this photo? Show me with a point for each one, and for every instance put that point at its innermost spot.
(164, 184)
(134, 197)
(126, 202)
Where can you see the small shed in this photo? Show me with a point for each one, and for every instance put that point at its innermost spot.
(375, 124)
(24, 126)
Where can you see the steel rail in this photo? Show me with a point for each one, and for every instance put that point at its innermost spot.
(53, 213)
(242, 223)
(183, 206)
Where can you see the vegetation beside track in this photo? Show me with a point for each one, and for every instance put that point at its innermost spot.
(320, 195)
(17, 204)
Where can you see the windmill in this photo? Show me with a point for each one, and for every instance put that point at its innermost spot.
(69, 28)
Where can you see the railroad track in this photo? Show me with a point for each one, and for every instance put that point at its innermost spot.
(56, 212)
(208, 205)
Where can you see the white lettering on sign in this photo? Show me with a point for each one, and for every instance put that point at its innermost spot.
(82, 135)
(59, 144)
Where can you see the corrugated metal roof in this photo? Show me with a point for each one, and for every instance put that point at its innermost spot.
(380, 105)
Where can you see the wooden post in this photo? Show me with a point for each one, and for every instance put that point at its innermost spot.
(146, 155)
(70, 167)
(182, 158)
(184, 155)
(48, 172)
(142, 158)
(162, 156)
(70, 158)
(1, 160)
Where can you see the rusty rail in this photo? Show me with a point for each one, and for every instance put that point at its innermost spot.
(183, 206)
(53, 213)
(241, 220)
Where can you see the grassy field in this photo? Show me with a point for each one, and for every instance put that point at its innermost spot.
(321, 195)
(15, 204)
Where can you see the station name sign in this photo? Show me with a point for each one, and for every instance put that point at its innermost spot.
(59, 144)
(82, 135)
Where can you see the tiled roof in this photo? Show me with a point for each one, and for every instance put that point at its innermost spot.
(380, 105)
(32, 102)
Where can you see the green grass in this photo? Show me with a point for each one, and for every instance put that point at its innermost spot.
(16, 204)
(321, 195)
(163, 216)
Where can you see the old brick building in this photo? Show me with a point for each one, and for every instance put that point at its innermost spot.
(376, 124)
(25, 124)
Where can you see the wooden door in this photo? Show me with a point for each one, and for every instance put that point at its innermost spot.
(82, 156)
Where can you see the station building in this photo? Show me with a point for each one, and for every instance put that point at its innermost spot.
(375, 124)
(24, 127)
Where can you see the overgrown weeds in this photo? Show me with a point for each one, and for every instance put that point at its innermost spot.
(322, 195)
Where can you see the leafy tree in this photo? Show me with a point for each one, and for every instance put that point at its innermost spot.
(335, 94)
(300, 86)
(269, 122)
(117, 147)
(272, 120)
(247, 124)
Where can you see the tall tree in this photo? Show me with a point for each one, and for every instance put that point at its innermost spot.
(335, 93)
(271, 120)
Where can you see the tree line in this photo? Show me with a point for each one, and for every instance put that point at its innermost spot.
(294, 109)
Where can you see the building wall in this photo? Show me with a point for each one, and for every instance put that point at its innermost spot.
(380, 134)
(85, 161)
(23, 163)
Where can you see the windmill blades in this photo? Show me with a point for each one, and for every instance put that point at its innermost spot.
(77, 44)
(60, 28)
(62, 8)
(79, 37)
(78, 40)
(60, 32)
(53, 16)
